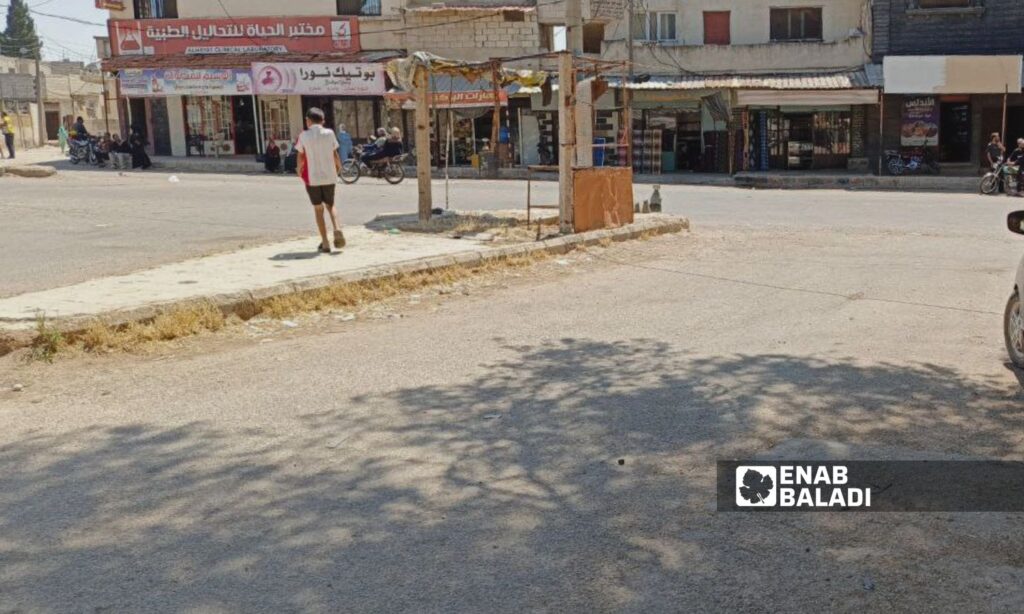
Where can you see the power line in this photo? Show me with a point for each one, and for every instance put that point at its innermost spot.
(64, 17)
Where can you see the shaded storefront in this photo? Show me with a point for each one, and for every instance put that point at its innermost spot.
(947, 107)
(462, 120)
(209, 111)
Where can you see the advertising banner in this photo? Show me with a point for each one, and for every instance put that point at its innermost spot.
(185, 82)
(234, 36)
(319, 79)
(451, 100)
(920, 122)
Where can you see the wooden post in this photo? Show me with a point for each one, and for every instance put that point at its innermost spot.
(1002, 136)
(881, 131)
(496, 121)
(566, 139)
(627, 119)
(422, 83)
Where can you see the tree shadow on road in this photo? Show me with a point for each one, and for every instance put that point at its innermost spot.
(504, 492)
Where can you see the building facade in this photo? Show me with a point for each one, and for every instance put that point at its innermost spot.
(728, 86)
(222, 79)
(952, 77)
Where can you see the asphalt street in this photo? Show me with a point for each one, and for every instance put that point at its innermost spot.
(87, 223)
(541, 441)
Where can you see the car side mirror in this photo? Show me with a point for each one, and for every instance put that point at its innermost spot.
(1015, 222)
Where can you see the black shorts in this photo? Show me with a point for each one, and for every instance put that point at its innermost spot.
(321, 194)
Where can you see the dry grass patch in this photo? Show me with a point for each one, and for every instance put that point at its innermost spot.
(199, 318)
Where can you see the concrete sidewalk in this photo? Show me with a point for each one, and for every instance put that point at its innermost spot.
(233, 279)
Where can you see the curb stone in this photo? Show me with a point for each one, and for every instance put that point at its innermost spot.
(244, 302)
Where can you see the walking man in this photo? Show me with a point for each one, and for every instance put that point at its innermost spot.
(318, 166)
(7, 128)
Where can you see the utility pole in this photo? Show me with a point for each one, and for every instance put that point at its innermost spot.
(627, 94)
(629, 37)
(41, 110)
(566, 137)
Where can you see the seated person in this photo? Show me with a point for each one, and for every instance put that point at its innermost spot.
(375, 149)
(393, 147)
(272, 158)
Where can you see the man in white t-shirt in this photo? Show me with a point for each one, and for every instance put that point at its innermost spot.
(318, 166)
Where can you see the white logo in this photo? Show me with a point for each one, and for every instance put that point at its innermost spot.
(756, 486)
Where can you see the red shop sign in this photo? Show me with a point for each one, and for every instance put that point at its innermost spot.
(234, 36)
(113, 5)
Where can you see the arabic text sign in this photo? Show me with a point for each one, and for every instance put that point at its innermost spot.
(920, 122)
(453, 100)
(319, 79)
(186, 82)
(238, 35)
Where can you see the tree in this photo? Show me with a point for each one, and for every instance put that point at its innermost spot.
(20, 32)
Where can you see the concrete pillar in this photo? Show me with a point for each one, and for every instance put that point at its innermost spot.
(176, 126)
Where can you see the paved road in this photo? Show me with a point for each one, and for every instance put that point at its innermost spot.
(465, 458)
(89, 223)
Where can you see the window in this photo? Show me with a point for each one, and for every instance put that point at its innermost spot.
(364, 8)
(716, 28)
(276, 124)
(799, 24)
(156, 9)
(593, 36)
(654, 26)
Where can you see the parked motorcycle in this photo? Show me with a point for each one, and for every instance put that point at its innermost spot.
(390, 169)
(86, 150)
(1002, 174)
(899, 163)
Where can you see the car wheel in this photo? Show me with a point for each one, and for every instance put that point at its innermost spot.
(1013, 330)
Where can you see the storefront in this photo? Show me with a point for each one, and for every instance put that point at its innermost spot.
(210, 111)
(349, 94)
(462, 120)
(948, 106)
(188, 83)
(803, 129)
(673, 132)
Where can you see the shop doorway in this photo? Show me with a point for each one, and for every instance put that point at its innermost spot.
(161, 127)
(245, 125)
(137, 114)
(52, 125)
(955, 131)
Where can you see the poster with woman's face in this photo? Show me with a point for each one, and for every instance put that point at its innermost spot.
(920, 122)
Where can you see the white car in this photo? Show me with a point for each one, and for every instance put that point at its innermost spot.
(1013, 318)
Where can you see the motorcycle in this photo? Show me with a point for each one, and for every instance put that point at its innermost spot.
(898, 163)
(390, 169)
(1002, 174)
(86, 150)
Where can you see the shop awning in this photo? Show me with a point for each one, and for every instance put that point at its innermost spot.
(241, 60)
(747, 98)
(864, 78)
(953, 74)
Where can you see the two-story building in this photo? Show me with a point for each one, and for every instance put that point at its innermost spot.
(730, 85)
(952, 76)
(204, 78)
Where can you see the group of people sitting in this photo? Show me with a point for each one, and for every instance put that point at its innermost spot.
(109, 147)
(383, 145)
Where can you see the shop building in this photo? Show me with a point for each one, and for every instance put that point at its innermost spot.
(746, 85)
(952, 78)
(198, 83)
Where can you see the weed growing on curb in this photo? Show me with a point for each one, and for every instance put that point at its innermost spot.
(48, 341)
